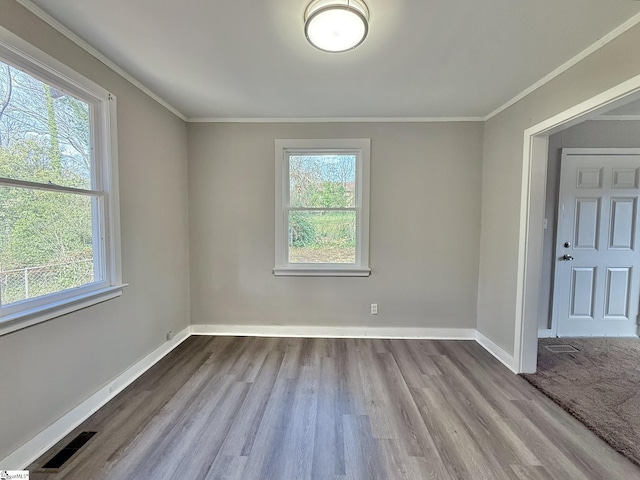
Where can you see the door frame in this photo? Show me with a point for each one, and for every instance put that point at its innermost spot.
(532, 199)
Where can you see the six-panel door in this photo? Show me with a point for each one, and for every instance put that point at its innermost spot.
(597, 277)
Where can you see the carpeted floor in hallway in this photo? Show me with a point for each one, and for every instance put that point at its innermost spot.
(599, 384)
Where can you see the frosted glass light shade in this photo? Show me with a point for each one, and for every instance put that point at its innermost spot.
(336, 25)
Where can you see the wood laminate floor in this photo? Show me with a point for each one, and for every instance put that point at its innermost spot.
(289, 409)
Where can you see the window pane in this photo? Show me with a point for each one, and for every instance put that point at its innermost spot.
(46, 242)
(322, 181)
(44, 133)
(322, 237)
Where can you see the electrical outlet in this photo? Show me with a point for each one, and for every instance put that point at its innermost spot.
(374, 309)
(169, 335)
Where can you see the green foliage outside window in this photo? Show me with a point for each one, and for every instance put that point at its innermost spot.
(46, 237)
(327, 234)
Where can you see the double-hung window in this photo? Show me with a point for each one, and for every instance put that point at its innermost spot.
(322, 207)
(59, 230)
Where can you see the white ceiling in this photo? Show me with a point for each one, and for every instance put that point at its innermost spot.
(423, 58)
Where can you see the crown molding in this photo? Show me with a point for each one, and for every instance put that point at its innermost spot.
(630, 23)
(632, 118)
(52, 22)
(335, 120)
(615, 33)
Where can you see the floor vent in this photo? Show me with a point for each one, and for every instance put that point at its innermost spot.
(561, 348)
(64, 455)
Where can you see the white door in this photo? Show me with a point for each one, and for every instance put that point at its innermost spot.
(596, 286)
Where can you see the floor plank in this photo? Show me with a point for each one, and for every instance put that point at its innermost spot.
(247, 408)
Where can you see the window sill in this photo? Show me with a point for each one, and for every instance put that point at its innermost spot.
(321, 272)
(27, 318)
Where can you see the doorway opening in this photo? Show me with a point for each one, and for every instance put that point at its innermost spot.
(595, 378)
(534, 179)
(589, 291)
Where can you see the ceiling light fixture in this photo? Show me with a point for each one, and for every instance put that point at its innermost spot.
(336, 25)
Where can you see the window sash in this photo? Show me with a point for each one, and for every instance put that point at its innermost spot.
(356, 208)
(320, 209)
(321, 152)
(51, 187)
(99, 248)
(324, 264)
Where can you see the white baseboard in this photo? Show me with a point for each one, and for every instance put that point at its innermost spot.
(30, 451)
(334, 332)
(545, 333)
(497, 351)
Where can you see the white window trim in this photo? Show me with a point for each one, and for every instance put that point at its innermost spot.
(362, 148)
(21, 54)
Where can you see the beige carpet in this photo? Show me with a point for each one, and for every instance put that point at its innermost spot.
(599, 385)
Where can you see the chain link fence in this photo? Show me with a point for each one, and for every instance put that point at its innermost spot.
(20, 284)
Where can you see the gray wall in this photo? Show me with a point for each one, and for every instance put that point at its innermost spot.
(589, 134)
(52, 367)
(425, 225)
(502, 174)
(425, 231)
